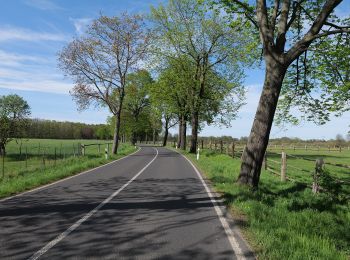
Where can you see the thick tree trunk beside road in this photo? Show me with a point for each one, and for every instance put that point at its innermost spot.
(194, 133)
(116, 134)
(253, 154)
(166, 131)
(183, 126)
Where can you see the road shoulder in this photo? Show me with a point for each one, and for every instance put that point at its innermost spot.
(245, 251)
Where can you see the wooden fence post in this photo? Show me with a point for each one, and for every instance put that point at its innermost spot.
(27, 157)
(340, 148)
(44, 159)
(202, 143)
(233, 150)
(3, 165)
(283, 166)
(83, 149)
(221, 147)
(316, 175)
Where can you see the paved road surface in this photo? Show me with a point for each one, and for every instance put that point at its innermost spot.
(150, 205)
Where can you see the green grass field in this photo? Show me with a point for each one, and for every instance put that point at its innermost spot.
(38, 162)
(284, 220)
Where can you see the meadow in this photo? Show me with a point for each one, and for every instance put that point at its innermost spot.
(285, 220)
(35, 162)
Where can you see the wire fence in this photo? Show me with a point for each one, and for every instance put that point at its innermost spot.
(295, 164)
(29, 157)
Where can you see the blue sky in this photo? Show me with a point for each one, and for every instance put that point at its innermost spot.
(32, 32)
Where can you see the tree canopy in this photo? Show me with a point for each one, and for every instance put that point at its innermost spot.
(14, 111)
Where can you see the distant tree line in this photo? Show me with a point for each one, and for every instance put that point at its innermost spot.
(50, 129)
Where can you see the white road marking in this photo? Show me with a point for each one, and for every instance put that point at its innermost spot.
(65, 179)
(234, 243)
(64, 234)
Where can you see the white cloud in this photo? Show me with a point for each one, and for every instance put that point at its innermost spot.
(38, 75)
(49, 86)
(43, 4)
(80, 24)
(10, 33)
(252, 99)
(39, 79)
(16, 60)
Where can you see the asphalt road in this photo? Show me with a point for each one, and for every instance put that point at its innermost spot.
(150, 205)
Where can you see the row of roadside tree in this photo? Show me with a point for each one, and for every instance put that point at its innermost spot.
(184, 63)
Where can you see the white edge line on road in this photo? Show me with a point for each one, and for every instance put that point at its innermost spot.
(234, 243)
(65, 179)
(64, 234)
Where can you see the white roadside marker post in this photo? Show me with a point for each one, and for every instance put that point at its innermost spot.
(106, 153)
(198, 154)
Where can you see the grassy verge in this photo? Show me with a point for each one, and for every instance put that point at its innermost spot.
(28, 179)
(281, 220)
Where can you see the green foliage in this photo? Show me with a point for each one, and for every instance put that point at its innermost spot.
(14, 111)
(318, 83)
(51, 129)
(201, 56)
(138, 118)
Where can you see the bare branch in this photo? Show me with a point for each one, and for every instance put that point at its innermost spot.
(313, 32)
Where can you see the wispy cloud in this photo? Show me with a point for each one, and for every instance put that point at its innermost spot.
(16, 60)
(80, 24)
(43, 4)
(35, 73)
(40, 80)
(9, 33)
(252, 100)
(49, 86)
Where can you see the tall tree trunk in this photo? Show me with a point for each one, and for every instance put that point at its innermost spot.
(166, 131)
(180, 132)
(133, 138)
(116, 133)
(183, 133)
(194, 134)
(253, 154)
(154, 136)
(2, 150)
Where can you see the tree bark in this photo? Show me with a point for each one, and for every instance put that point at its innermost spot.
(166, 131)
(183, 133)
(194, 134)
(154, 136)
(254, 152)
(180, 132)
(2, 150)
(116, 133)
(133, 138)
